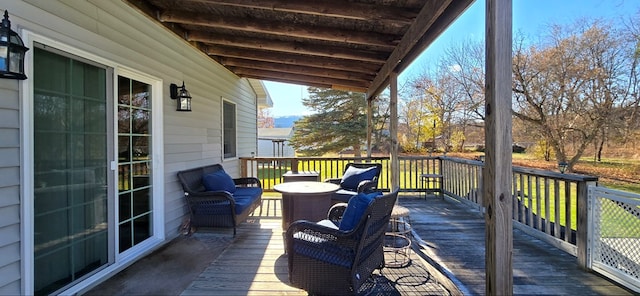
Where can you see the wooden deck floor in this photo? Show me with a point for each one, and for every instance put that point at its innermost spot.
(449, 235)
(453, 236)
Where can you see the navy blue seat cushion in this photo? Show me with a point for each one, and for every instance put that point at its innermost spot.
(217, 181)
(245, 196)
(250, 191)
(353, 176)
(243, 202)
(356, 207)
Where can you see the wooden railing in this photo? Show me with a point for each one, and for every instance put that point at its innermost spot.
(549, 205)
(270, 169)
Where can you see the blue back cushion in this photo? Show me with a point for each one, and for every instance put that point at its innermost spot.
(353, 176)
(356, 207)
(218, 180)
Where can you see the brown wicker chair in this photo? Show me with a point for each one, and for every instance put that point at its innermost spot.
(327, 261)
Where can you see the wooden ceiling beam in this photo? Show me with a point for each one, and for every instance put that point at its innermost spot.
(243, 72)
(328, 8)
(289, 47)
(152, 12)
(292, 59)
(268, 27)
(313, 71)
(277, 79)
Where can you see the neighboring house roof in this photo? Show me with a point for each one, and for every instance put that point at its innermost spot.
(283, 133)
(264, 99)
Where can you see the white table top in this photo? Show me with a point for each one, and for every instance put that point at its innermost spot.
(306, 187)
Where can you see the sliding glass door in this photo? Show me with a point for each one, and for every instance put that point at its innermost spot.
(92, 167)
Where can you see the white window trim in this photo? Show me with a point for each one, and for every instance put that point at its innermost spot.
(235, 136)
(123, 260)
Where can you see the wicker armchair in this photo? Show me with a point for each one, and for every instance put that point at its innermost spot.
(219, 208)
(365, 185)
(327, 261)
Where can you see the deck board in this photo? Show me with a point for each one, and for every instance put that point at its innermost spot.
(449, 237)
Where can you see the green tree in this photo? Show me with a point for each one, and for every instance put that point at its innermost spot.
(339, 122)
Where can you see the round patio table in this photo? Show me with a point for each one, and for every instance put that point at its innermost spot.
(306, 200)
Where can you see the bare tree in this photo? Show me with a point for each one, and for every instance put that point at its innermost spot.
(570, 87)
(466, 64)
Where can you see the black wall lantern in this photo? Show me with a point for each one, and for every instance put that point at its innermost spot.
(182, 95)
(12, 51)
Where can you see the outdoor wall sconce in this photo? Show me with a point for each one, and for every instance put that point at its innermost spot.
(12, 51)
(562, 166)
(182, 95)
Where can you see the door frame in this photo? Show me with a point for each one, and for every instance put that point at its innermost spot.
(120, 261)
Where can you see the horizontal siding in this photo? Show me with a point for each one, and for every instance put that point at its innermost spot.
(9, 176)
(9, 196)
(9, 188)
(117, 33)
(9, 118)
(10, 277)
(13, 251)
(9, 157)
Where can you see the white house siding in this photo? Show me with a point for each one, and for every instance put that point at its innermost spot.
(9, 188)
(114, 32)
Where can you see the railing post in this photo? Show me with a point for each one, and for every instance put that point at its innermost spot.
(582, 232)
(439, 172)
(480, 191)
(243, 167)
(294, 165)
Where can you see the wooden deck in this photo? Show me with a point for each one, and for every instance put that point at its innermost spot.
(449, 236)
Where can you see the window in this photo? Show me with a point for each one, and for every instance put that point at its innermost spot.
(229, 129)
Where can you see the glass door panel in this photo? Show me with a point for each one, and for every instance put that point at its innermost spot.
(134, 162)
(70, 169)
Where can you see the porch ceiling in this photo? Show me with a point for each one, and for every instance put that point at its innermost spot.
(343, 44)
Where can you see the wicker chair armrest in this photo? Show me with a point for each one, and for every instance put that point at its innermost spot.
(307, 234)
(313, 227)
(248, 181)
(333, 180)
(336, 211)
(367, 186)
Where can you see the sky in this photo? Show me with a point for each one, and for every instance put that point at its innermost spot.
(530, 17)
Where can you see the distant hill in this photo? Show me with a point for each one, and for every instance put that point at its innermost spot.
(285, 121)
